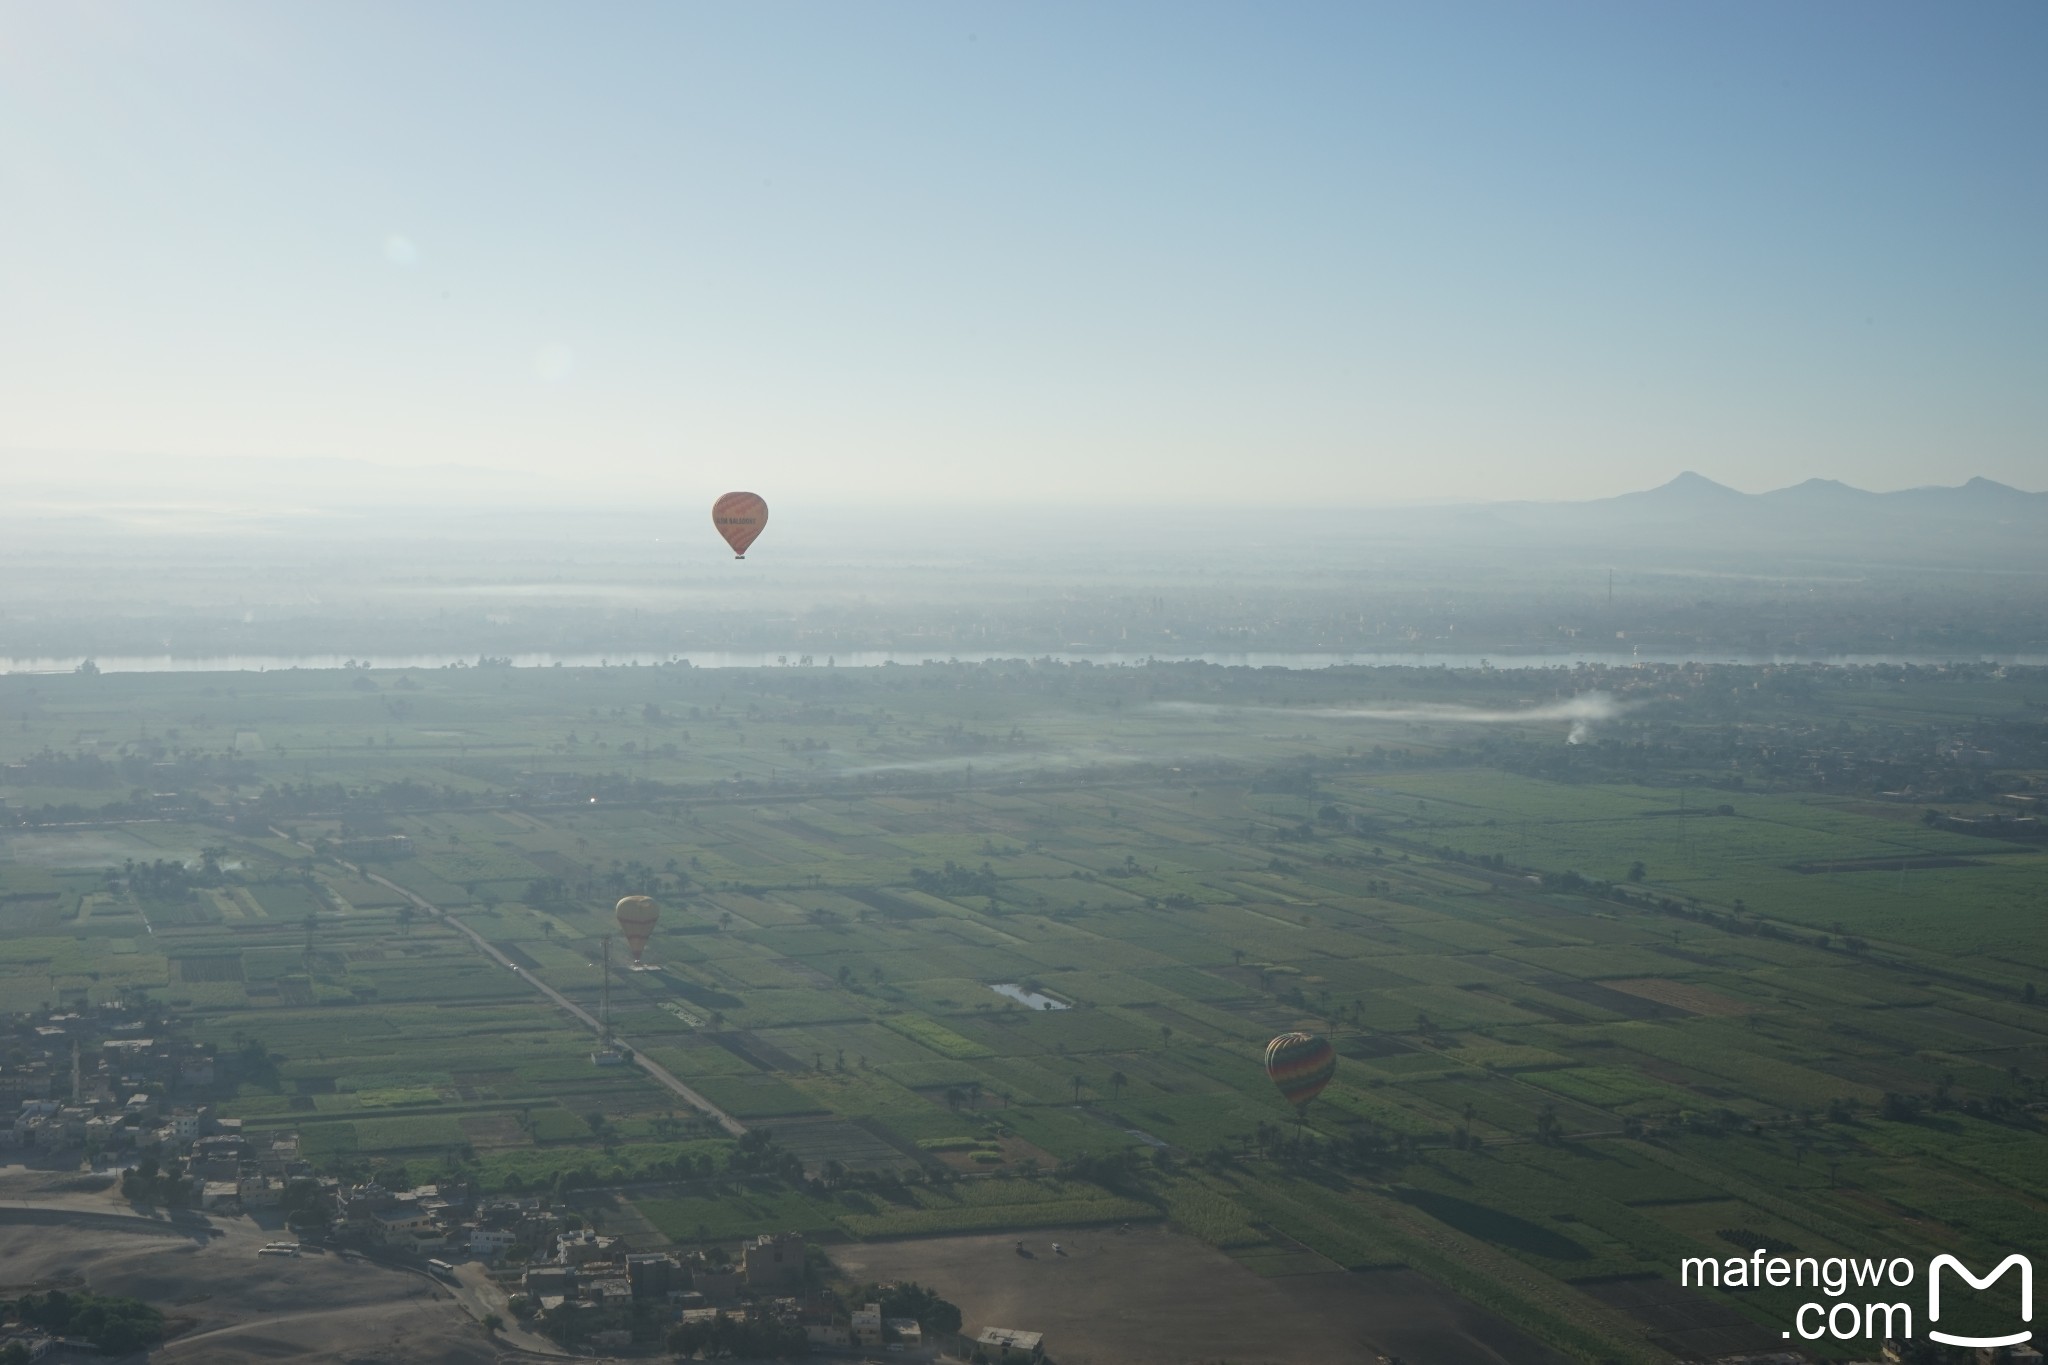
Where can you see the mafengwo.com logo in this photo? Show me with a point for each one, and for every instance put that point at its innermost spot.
(1863, 1301)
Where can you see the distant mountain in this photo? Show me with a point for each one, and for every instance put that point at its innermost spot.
(1698, 489)
(1980, 524)
(1695, 494)
(1687, 490)
(1818, 494)
(1986, 494)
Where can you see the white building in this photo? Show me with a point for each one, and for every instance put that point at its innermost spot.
(867, 1325)
(1008, 1344)
(582, 1245)
(489, 1242)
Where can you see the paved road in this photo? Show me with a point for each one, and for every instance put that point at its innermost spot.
(660, 1073)
(473, 1288)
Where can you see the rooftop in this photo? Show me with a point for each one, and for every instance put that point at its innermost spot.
(1010, 1338)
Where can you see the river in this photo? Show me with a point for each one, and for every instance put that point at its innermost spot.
(266, 663)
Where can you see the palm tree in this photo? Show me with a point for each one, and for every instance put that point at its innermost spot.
(1165, 1034)
(1078, 1083)
(1117, 1081)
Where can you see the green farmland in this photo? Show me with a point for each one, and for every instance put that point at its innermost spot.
(1599, 1006)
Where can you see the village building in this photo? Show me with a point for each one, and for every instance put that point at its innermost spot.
(1007, 1344)
(613, 1291)
(773, 1263)
(490, 1243)
(548, 1281)
(652, 1275)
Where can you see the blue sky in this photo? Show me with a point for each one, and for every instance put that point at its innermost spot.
(1353, 253)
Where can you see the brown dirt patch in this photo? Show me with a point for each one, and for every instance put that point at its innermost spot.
(493, 1130)
(1154, 1297)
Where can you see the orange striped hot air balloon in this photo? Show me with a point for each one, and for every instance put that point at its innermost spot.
(1300, 1065)
(739, 517)
(637, 916)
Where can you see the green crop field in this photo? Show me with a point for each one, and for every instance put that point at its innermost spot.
(1594, 1005)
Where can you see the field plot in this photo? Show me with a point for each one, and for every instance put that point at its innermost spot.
(1595, 1005)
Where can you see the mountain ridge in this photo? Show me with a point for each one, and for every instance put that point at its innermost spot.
(1692, 486)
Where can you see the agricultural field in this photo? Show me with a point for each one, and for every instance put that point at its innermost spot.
(1598, 1005)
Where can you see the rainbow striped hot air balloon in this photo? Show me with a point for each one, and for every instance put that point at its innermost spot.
(1300, 1065)
(637, 916)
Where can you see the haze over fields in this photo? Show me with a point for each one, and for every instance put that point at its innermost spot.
(1623, 963)
(194, 560)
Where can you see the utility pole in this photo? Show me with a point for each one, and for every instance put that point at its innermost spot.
(604, 1008)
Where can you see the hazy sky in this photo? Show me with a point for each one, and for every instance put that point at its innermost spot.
(1351, 252)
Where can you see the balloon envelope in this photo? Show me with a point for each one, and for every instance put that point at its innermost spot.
(1300, 1065)
(637, 916)
(739, 517)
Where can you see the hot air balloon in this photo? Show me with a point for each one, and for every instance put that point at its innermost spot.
(1300, 1065)
(739, 517)
(637, 915)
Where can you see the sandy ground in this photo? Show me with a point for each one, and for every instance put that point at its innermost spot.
(1152, 1297)
(241, 1307)
(1146, 1297)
